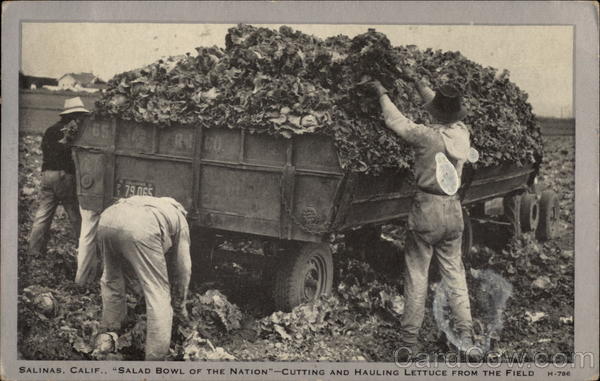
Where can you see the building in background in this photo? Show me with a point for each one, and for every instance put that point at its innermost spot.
(78, 82)
(87, 82)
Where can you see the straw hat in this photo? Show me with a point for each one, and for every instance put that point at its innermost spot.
(73, 105)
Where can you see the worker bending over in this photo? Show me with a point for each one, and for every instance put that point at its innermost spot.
(152, 235)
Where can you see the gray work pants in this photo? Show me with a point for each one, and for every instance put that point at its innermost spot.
(435, 225)
(132, 234)
(58, 187)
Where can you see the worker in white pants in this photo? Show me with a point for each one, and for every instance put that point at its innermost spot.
(88, 261)
(88, 257)
(152, 235)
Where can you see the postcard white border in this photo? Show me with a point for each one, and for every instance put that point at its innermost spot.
(583, 15)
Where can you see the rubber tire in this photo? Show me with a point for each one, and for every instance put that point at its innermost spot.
(467, 235)
(549, 216)
(288, 288)
(529, 212)
(515, 229)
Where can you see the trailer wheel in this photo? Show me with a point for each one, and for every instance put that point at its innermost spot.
(303, 275)
(467, 235)
(549, 216)
(529, 212)
(512, 213)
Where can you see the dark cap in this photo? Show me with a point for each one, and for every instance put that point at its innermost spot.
(447, 105)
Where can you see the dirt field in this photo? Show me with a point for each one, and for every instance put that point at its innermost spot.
(557, 126)
(358, 323)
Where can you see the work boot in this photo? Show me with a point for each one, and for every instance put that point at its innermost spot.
(466, 347)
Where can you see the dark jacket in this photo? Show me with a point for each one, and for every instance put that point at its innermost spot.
(56, 155)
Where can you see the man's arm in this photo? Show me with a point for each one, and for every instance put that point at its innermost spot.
(425, 91)
(45, 146)
(181, 264)
(411, 132)
(409, 75)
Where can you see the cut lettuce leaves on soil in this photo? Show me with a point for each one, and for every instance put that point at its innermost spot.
(356, 323)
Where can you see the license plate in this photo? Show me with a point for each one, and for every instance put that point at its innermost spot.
(128, 188)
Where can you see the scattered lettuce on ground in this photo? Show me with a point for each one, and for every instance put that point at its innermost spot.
(59, 322)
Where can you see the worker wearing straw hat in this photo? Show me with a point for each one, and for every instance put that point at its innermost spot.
(435, 222)
(58, 176)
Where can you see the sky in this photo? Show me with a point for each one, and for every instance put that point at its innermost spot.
(539, 58)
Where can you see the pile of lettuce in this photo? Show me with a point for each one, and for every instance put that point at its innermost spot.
(284, 82)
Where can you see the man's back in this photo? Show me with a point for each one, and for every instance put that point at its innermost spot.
(141, 230)
(432, 141)
(167, 210)
(56, 155)
(132, 213)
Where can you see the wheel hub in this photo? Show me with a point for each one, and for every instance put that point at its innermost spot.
(313, 279)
